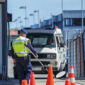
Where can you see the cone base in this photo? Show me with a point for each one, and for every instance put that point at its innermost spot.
(24, 82)
(73, 83)
(67, 82)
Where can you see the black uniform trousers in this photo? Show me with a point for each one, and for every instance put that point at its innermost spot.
(23, 68)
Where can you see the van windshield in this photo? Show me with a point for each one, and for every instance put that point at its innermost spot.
(42, 40)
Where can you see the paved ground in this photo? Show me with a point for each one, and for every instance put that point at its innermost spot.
(10, 67)
(41, 82)
(80, 81)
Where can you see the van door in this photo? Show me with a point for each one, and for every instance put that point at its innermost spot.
(60, 41)
(61, 51)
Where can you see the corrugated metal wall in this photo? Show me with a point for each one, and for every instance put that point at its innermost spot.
(84, 51)
(77, 55)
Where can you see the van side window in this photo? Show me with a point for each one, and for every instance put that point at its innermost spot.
(57, 41)
(60, 41)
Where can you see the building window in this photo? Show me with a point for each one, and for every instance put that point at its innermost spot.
(84, 21)
(73, 22)
(68, 22)
(76, 21)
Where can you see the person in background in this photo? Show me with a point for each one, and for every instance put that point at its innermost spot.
(20, 49)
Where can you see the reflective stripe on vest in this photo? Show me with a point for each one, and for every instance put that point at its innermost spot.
(19, 47)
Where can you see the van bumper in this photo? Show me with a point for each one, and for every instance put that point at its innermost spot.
(45, 69)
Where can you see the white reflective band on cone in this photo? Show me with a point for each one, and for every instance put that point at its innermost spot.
(72, 80)
(71, 70)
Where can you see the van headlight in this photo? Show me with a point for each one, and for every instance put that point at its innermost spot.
(51, 56)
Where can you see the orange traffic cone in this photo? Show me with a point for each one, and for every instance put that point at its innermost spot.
(67, 82)
(50, 80)
(32, 79)
(72, 75)
(24, 82)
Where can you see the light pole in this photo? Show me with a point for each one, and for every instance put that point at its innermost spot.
(15, 21)
(52, 21)
(62, 14)
(37, 11)
(33, 18)
(25, 8)
(62, 5)
(26, 20)
(20, 22)
(82, 12)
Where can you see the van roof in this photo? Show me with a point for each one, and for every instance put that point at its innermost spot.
(57, 31)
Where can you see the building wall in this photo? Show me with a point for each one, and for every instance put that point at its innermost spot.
(73, 13)
(0, 39)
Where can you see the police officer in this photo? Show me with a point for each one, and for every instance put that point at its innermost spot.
(20, 54)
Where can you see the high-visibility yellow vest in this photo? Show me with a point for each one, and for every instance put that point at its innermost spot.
(19, 46)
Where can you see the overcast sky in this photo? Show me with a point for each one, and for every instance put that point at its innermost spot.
(45, 7)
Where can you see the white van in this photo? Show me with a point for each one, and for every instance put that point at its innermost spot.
(50, 47)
